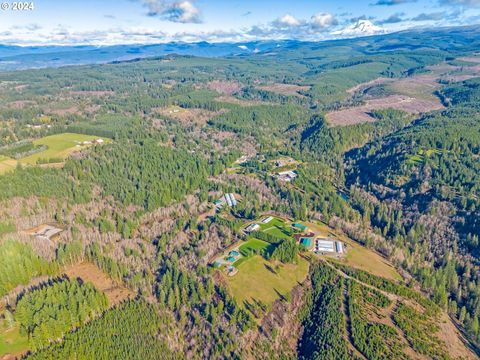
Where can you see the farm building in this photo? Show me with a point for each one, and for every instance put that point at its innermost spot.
(252, 227)
(339, 247)
(267, 220)
(324, 245)
(228, 199)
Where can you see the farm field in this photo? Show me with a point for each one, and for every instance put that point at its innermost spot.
(261, 280)
(276, 227)
(60, 146)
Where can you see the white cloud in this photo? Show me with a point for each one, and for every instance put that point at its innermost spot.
(183, 11)
(323, 20)
(287, 21)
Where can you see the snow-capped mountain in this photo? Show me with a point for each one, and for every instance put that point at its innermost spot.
(360, 28)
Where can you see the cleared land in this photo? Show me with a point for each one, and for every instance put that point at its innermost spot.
(368, 84)
(260, 280)
(419, 87)
(90, 273)
(59, 146)
(196, 116)
(360, 114)
(224, 87)
(285, 89)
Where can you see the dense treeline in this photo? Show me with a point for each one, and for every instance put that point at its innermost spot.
(144, 174)
(260, 121)
(126, 332)
(46, 314)
(25, 182)
(19, 265)
(324, 322)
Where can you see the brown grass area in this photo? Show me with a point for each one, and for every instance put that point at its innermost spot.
(418, 87)
(368, 84)
(187, 116)
(63, 111)
(284, 89)
(93, 92)
(472, 59)
(89, 272)
(20, 104)
(359, 114)
(233, 100)
(224, 87)
(452, 338)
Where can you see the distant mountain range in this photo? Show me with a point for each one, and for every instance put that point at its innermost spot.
(18, 57)
(31, 57)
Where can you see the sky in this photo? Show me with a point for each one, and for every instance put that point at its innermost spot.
(110, 22)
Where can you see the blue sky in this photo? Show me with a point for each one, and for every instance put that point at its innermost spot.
(70, 22)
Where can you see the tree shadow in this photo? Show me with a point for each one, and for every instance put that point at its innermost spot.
(269, 268)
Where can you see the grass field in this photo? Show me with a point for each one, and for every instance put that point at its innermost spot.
(260, 280)
(257, 246)
(7, 164)
(359, 256)
(277, 227)
(11, 342)
(60, 146)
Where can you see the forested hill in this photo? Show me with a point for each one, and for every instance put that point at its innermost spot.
(426, 180)
(310, 200)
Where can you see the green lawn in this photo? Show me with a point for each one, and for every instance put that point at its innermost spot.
(256, 245)
(11, 342)
(260, 280)
(277, 227)
(59, 146)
